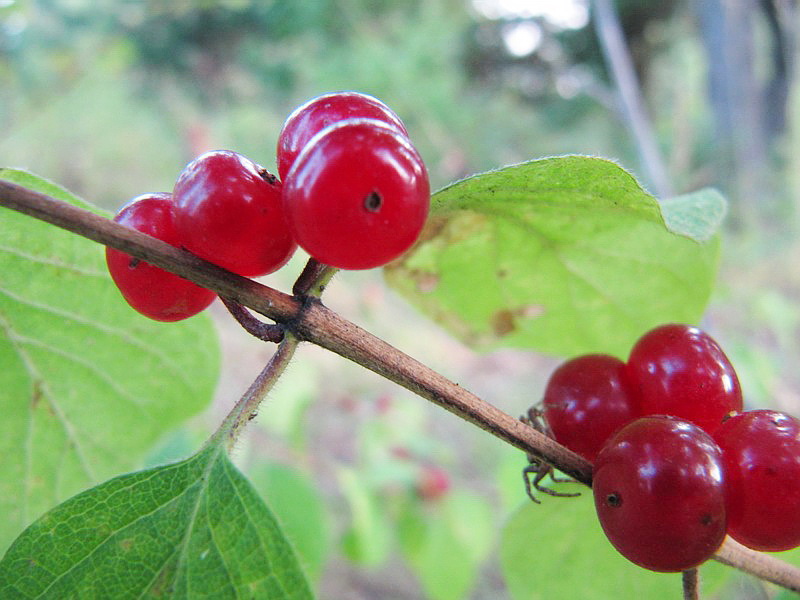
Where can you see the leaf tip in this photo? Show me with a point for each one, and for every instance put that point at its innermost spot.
(697, 215)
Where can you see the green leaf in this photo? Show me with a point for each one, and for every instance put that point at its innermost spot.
(697, 215)
(445, 544)
(87, 385)
(562, 255)
(297, 505)
(368, 539)
(194, 529)
(557, 549)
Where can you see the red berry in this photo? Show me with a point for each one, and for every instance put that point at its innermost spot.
(357, 196)
(154, 292)
(761, 456)
(586, 401)
(680, 370)
(229, 212)
(659, 493)
(316, 114)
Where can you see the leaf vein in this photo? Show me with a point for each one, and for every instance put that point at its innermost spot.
(121, 334)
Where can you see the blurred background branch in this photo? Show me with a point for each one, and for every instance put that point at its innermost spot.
(632, 108)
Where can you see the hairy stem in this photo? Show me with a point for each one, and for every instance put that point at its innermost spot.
(308, 319)
(247, 406)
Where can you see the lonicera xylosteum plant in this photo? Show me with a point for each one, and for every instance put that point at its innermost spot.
(563, 255)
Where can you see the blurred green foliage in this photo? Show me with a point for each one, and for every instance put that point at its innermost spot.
(149, 84)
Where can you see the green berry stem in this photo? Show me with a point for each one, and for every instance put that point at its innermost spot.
(310, 320)
(313, 279)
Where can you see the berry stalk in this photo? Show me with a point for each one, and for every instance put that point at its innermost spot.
(247, 407)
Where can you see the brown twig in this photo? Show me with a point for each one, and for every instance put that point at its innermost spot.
(764, 566)
(310, 320)
(691, 584)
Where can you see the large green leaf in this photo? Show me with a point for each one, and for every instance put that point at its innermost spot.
(557, 549)
(300, 510)
(194, 529)
(563, 255)
(86, 384)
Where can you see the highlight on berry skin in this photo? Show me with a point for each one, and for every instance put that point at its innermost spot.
(229, 211)
(761, 456)
(680, 370)
(318, 113)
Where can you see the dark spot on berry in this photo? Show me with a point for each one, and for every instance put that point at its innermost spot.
(706, 520)
(614, 500)
(134, 263)
(373, 202)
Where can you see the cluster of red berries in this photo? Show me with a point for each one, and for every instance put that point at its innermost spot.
(677, 464)
(353, 193)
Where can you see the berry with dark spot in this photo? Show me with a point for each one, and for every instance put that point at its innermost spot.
(659, 492)
(358, 195)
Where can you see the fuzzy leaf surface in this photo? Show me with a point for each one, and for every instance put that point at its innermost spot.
(193, 529)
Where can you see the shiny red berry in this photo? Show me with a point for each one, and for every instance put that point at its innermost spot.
(659, 493)
(154, 292)
(229, 211)
(586, 401)
(357, 196)
(680, 370)
(761, 455)
(316, 114)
